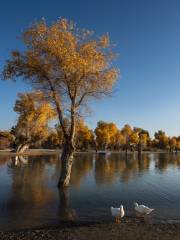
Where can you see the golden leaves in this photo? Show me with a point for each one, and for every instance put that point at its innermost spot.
(66, 50)
(106, 133)
(66, 63)
(109, 136)
(34, 114)
(104, 41)
(84, 136)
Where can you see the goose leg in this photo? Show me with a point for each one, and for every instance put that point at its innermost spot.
(119, 220)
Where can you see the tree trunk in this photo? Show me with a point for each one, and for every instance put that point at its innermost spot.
(139, 148)
(126, 146)
(22, 148)
(126, 149)
(66, 161)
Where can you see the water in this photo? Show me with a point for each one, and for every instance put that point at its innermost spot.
(29, 196)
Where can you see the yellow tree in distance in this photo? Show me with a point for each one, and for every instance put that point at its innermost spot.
(106, 134)
(70, 67)
(34, 115)
(84, 136)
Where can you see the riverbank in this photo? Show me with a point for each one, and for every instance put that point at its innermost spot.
(57, 151)
(11, 152)
(128, 229)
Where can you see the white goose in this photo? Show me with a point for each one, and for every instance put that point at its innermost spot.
(142, 209)
(118, 213)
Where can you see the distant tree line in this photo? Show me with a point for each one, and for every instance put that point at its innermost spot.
(32, 128)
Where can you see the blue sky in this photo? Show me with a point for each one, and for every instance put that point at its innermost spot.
(147, 35)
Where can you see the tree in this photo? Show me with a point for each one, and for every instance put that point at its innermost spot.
(119, 140)
(134, 138)
(6, 139)
(34, 115)
(106, 134)
(70, 67)
(173, 143)
(84, 137)
(52, 140)
(161, 139)
(178, 143)
(102, 135)
(143, 138)
(127, 131)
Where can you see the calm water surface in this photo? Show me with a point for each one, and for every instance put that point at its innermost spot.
(29, 196)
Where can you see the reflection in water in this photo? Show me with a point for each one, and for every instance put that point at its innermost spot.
(163, 161)
(66, 213)
(104, 169)
(18, 161)
(29, 196)
(4, 160)
(82, 165)
(109, 168)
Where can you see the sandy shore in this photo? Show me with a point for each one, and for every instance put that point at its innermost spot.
(11, 152)
(30, 152)
(128, 229)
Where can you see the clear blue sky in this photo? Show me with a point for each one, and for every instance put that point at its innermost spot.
(147, 34)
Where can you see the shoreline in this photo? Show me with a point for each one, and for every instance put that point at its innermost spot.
(57, 151)
(30, 152)
(128, 229)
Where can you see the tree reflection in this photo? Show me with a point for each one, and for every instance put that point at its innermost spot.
(108, 169)
(18, 161)
(105, 169)
(163, 161)
(32, 198)
(32, 192)
(30, 195)
(4, 159)
(82, 165)
(66, 213)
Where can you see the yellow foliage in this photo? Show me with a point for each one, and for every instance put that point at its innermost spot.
(173, 143)
(127, 130)
(106, 134)
(67, 64)
(84, 136)
(34, 114)
(144, 139)
(134, 138)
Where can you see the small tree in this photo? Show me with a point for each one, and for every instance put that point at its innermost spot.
(6, 139)
(127, 131)
(173, 144)
(119, 140)
(106, 134)
(34, 115)
(70, 67)
(53, 140)
(84, 137)
(161, 139)
(143, 138)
